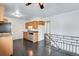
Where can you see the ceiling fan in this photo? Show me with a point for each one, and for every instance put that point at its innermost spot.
(40, 5)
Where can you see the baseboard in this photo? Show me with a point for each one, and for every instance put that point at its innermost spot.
(11, 55)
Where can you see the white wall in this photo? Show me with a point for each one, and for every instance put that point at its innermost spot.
(18, 27)
(66, 23)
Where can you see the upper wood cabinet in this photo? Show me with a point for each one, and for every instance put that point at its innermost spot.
(34, 24)
(1, 13)
(41, 23)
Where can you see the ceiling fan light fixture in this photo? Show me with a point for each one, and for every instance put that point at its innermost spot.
(17, 14)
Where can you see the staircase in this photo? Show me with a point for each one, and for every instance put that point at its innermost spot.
(68, 45)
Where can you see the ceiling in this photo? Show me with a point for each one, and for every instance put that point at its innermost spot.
(34, 10)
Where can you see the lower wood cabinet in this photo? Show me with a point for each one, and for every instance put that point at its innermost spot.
(6, 45)
(31, 36)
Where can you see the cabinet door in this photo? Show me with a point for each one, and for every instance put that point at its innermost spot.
(1, 13)
(6, 46)
(26, 25)
(26, 35)
(35, 37)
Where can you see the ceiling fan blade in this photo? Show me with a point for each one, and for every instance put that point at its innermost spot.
(27, 4)
(41, 6)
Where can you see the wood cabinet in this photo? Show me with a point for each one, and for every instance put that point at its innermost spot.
(26, 35)
(6, 42)
(34, 24)
(6, 45)
(33, 36)
(1, 13)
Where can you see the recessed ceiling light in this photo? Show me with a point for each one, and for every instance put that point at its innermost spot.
(17, 13)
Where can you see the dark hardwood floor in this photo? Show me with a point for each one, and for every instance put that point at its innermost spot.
(27, 48)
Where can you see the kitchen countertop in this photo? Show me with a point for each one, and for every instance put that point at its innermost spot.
(5, 34)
